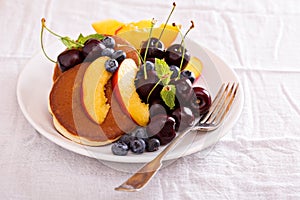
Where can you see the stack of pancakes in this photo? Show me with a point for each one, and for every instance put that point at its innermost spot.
(69, 117)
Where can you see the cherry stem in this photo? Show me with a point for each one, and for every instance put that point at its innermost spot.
(182, 44)
(57, 35)
(44, 25)
(191, 27)
(42, 42)
(148, 43)
(158, 82)
(161, 33)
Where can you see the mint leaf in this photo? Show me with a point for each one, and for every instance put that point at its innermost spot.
(69, 43)
(163, 71)
(168, 95)
(82, 39)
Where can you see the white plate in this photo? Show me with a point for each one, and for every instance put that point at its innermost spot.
(35, 82)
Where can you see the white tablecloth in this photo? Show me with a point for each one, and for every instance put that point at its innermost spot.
(258, 159)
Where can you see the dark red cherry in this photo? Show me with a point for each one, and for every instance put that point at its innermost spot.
(184, 118)
(92, 49)
(201, 100)
(162, 127)
(144, 86)
(156, 48)
(69, 58)
(184, 90)
(157, 108)
(174, 53)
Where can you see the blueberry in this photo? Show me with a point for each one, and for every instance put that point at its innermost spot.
(111, 65)
(152, 144)
(188, 74)
(175, 71)
(149, 65)
(119, 55)
(109, 42)
(138, 146)
(119, 148)
(126, 139)
(107, 52)
(141, 133)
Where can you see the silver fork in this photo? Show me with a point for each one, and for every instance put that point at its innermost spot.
(211, 121)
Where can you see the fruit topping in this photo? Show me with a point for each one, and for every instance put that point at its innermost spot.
(123, 82)
(188, 74)
(184, 118)
(140, 133)
(109, 42)
(177, 54)
(201, 100)
(119, 55)
(111, 65)
(175, 71)
(108, 26)
(184, 90)
(138, 146)
(162, 127)
(127, 138)
(146, 87)
(119, 148)
(93, 90)
(155, 48)
(92, 49)
(69, 58)
(157, 108)
(107, 52)
(152, 144)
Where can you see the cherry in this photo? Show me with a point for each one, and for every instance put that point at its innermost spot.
(184, 90)
(69, 58)
(174, 54)
(157, 108)
(162, 127)
(201, 101)
(92, 49)
(184, 118)
(155, 48)
(144, 86)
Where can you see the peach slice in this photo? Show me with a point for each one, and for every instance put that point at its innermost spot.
(195, 65)
(124, 88)
(136, 32)
(93, 90)
(108, 26)
(136, 35)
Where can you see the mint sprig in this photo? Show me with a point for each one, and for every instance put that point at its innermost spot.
(82, 39)
(70, 44)
(164, 74)
(168, 95)
(163, 71)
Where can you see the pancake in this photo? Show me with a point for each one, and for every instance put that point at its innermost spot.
(69, 116)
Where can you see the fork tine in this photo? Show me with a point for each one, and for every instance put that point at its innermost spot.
(215, 104)
(227, 105)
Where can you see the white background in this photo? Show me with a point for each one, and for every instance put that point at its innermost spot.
(258, 159)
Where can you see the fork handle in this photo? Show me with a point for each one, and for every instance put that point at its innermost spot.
(138, 180)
